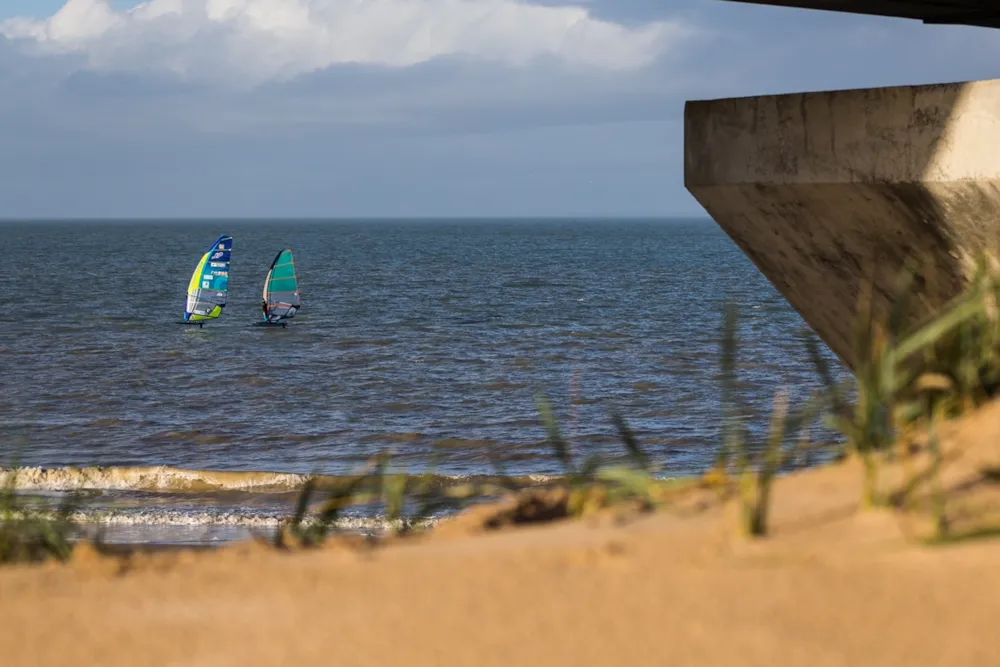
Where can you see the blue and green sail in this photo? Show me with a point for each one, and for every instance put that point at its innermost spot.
(281, 288)
(209, 285)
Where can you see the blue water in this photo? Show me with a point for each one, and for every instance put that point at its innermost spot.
(427, 337)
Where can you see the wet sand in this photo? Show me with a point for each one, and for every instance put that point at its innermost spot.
(832, 586)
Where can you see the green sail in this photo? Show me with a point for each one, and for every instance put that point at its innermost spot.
(281, 288)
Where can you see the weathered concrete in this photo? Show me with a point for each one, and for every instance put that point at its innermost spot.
(821, 188)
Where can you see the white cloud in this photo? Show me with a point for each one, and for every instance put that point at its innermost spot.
(265, 40)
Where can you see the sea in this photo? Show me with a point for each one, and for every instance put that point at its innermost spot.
(429, 340)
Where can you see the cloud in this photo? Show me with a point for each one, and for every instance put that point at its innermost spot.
(338, 107)
(256, 41)
(408, 107)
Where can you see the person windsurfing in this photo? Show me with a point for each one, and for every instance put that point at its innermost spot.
(263, 306)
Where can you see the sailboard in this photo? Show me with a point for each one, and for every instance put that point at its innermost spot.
(209, 286)
(281, 298)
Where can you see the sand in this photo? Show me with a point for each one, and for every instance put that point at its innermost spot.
(832, 586)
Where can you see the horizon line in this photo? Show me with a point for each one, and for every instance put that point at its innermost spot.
(428, 218)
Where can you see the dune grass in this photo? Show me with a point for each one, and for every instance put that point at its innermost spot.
(910, 381)
(746, 467)
(32, 535)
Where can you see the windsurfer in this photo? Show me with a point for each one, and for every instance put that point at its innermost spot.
(263, 306)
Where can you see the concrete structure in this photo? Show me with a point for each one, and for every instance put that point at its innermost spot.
(984, 13)
(819, 189)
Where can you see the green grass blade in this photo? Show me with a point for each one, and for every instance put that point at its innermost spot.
(632, 447)
(559, 446)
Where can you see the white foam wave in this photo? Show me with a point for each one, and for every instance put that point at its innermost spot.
(167, 517)
(164, 478)
(153, 478)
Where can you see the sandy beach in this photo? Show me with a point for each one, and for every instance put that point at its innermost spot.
(832, 585)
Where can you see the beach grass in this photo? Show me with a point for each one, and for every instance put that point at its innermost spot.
(29, 534)
(911, 381)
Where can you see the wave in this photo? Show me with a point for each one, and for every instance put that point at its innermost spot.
(179, 480)
(249, 520)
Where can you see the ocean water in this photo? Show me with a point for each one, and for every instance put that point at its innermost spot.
(429, 339)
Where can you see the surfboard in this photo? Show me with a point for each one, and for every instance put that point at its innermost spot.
(209, 285)
(281, 290)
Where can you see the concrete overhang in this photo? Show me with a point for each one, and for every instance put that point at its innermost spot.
(982, 13)
(826, 191)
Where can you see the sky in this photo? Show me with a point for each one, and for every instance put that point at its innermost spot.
(407, 108)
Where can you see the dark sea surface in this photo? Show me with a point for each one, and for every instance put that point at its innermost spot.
(428, 338)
